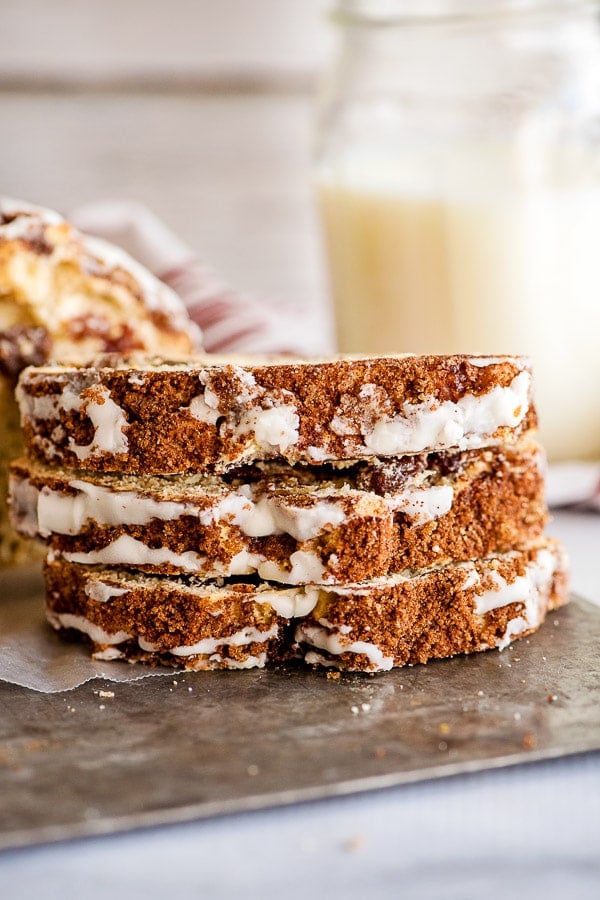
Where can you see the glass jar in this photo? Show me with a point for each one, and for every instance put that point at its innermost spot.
(458, 171)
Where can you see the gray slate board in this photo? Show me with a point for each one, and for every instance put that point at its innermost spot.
(220, 742)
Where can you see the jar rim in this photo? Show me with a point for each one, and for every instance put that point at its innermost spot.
(389, 13)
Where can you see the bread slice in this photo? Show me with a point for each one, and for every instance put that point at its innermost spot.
(290, 525)
(372, 626)
(206, 415)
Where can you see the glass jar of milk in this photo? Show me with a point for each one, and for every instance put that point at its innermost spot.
(458, 172)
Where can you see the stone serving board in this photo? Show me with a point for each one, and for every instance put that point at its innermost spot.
(108, 757)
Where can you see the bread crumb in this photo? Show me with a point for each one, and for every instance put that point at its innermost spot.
(108, 694)
(354, 843)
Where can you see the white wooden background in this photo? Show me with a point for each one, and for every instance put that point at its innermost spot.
(202, 110)
(103, 41)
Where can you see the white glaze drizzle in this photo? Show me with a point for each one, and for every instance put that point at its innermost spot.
(102, 593)
(247, 635)
(522, 589)
(109, 420)
(336, 643)
(94, 632)
(423, 504)
(465, 423)
(126, 550)
(46, 511)
(62, 513)
(291, 604)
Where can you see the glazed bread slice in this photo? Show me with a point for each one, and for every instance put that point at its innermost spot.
(206, 415)
(292, 526)
(372, 626)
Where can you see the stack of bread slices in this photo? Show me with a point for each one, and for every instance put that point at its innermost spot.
(361, 513)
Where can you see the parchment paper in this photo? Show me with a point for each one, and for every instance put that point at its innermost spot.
(34, 656)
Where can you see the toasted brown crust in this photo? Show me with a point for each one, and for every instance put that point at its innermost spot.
(374, 625)
(326, 410)
(497, 504)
